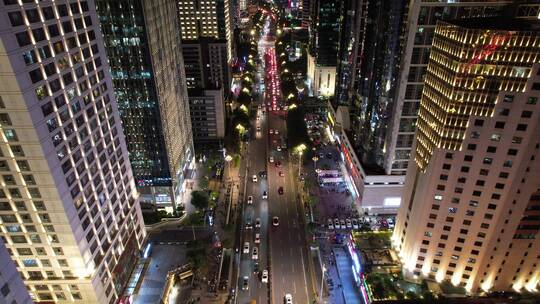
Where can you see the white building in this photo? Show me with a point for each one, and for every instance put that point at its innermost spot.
(471, 205)
(321, 79)
(69, 211)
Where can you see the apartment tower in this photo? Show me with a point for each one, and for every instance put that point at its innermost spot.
(422, 17)
(212, 18)
(471, 204)
(69, 214)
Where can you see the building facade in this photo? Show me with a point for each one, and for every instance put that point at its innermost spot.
(207, 110)
(212, 18)
(205, 61)
(370, 89)
(70, 215)
(126, 41)
(12, 288)
(169, 74)
(422, 17)
(323, 46)
(470, 205)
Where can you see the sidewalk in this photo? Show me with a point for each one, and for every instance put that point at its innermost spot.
(343, 265)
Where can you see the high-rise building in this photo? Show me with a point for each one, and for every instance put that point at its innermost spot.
(205, 61)
(126, 41)
(212, 18)
(12, 288)
(323, 46)
(422, 16)
(368, 77)
(472, 195)
(154, 109)
(70, 215)
(207, 111)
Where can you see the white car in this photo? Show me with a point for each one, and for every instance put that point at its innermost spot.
(288, 298)
(257, 223)
(254, 178)
(330, 225)
(275, 221)
(255, 253)
(278, 148)
(246, 247)
(258, 129)
(257, 238)
(250, 200)
(348, 223)
(276, 132)
(271, 131)
(336, 224)
(265, 195)
(264, 277)
(271, 159)
(355, 224)
(343, 225)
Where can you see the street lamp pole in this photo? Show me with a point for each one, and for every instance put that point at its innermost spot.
(299, 163)
(315, 159)
(322, 285)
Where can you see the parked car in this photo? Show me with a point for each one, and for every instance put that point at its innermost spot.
(330, 224)
(342, 224)
(354, 224)
(348, 223)
(254, 178)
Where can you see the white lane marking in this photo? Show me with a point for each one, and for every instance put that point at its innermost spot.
(304, 273)
(294, 286)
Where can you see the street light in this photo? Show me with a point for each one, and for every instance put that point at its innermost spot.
(315, 159)
(300, 150)
(322, 284)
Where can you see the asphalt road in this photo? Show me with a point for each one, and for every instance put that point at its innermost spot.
(286, 242)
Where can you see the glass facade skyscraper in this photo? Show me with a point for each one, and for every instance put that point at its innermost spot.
(124, 30)
(154, 108)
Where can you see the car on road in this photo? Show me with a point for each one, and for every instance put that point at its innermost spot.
(354, 224)
(348, 223)
(278, 164)
(281, 174)
(256, 267)
(288, 298)
(330, 224)
(257, 238)
(336, 224)
(262, 174)
(275, 221)
(276, 132)
(245, 283)
(264, 277)
(257, 223)
(249, 225)
(271, 131)
(258, 129)
(254, 178)
(246, 247)
(329, 155)
(255, 253)
(280, 190)
(265, 195)
(271, 159)
(343, 225)
(250, 200)
(278, 148)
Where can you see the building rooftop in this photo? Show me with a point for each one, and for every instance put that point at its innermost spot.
(502, 23)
